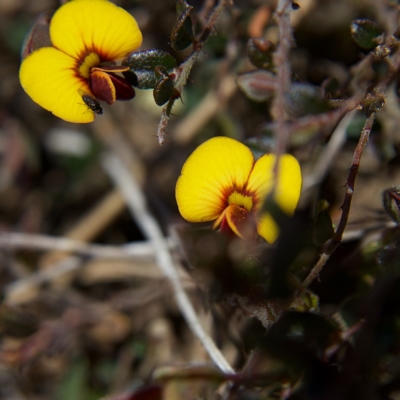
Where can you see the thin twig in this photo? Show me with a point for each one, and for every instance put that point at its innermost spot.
(14, 292)
(137, 206)
(184, 70)
(46, 243)
(329, 153)
(281, 61)
(345, 336)
(337, 237)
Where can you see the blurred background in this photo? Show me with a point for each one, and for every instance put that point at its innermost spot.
(102, 325)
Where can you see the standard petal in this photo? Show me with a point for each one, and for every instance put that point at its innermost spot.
(288, 187)
(49, 78)
(210, 174)
(80, 27)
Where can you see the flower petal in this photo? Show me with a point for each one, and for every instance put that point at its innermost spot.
(287, 191)
(288, 187)
(48, 77)
(102, 86)
(83, 26)
(240, 221)
(123, 90)
(268, 228)
(210, 174)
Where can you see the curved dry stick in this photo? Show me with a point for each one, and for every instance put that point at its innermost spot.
(45, 243)
(150, 228)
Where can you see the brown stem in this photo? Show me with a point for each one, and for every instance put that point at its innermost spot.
(184, 70)
(281, 61)
(337, 237)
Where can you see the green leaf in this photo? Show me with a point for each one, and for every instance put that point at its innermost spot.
(257, 85)
(260, 52)
(391, 203)
(182, 33)
(164, 87)
(305, 99)
(73, 384)
(366, 33)
(143, 64)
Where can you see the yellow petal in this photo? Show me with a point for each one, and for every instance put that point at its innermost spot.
(209, 176)
(49, 78)
(80, 27)
(288, 187)
(268, 228)
(287, 191)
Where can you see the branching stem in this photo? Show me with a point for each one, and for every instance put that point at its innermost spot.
(184, 70)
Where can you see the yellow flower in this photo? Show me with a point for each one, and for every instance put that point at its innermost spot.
(69, 77)
(222, 182)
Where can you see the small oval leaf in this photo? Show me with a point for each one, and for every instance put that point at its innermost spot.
(391, 203)
(257, 85)
(164, 87)
(260, 52)
(149, 60)
(182, 33)
(143, 64)
(366, 33)
(305, 99)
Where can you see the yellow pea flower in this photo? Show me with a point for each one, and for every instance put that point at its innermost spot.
(221, 182)
(68, 78)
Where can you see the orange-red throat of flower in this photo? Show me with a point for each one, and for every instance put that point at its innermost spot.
(237, 216)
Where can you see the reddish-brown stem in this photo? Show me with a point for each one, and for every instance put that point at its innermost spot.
(350, 183)
(337, 237)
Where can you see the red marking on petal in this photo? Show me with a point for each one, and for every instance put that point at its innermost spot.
(225, 228)
(102, 86)
(111, 68)
(241, 222)
(123, 89)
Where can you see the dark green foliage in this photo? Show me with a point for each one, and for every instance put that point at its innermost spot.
(304, 99)
(182, 33)
(164, 86)
(391, 203)
(257, 85)
(143, 63)
(260, 52)
(366, 33)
